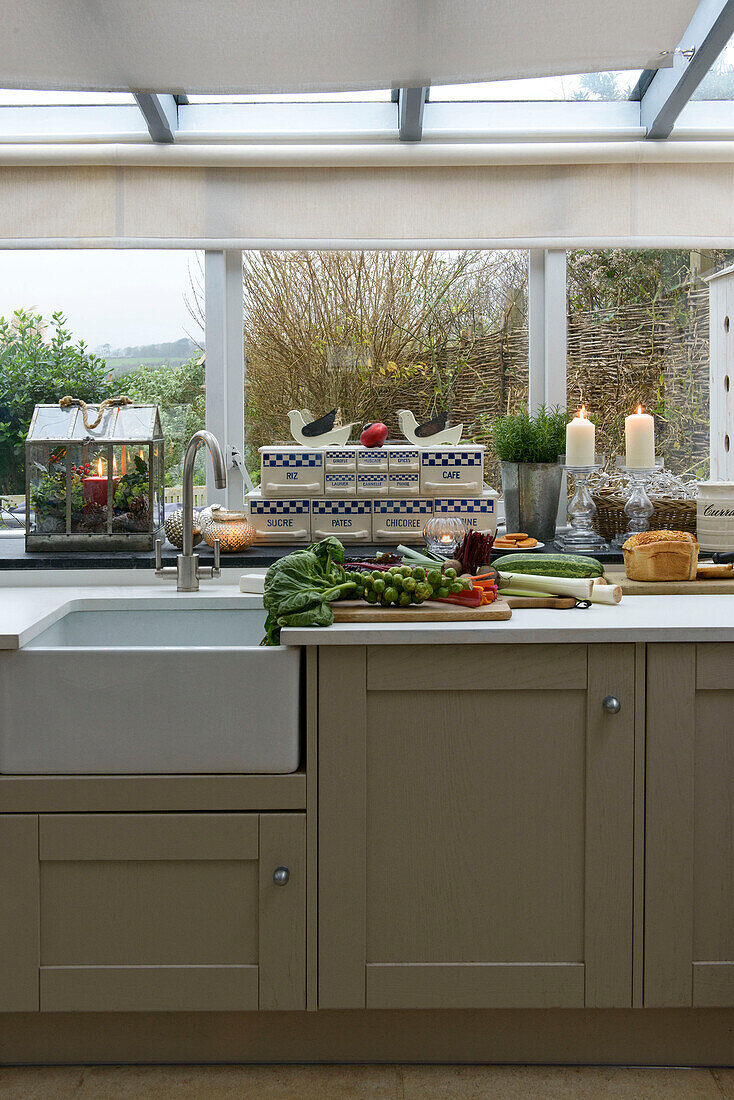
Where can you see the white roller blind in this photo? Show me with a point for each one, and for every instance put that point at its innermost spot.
(320, 45)
(528, 202)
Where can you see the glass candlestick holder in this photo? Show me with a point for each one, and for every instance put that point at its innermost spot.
(639, 507)
(581, 538)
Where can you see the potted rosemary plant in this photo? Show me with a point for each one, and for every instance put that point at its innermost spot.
(528, 448)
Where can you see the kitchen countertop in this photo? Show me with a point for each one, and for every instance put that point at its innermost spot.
(27, 610)
(635, 619)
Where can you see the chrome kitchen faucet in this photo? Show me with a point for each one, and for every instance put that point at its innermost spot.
(186, 570)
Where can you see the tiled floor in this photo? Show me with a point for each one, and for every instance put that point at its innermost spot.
(368, 1082)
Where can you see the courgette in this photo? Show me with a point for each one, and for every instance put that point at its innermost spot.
(550, 565)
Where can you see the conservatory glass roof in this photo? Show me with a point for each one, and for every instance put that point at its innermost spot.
(339, 72)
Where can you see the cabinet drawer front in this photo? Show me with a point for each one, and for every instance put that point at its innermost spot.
(476, 668)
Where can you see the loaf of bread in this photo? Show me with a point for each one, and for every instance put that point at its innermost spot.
(661, 556)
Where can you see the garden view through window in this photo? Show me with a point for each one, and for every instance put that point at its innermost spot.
(367, 333)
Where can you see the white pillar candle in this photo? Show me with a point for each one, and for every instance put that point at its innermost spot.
(580, 440)
(639, 436)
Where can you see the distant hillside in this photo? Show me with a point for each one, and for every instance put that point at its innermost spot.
(122, 360)
(175, 349)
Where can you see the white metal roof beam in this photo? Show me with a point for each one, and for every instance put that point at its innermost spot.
(411, 102)
(669, 90)
(160, 112)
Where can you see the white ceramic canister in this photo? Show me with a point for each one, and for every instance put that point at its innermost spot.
(715, 515)
(452, 471)
(291, 471)
(279, 521)
(398, 521)
(349, 520)
(477, 514)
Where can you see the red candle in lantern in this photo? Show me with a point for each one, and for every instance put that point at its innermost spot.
(95, 488)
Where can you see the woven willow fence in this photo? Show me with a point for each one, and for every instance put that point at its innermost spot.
(655, 355)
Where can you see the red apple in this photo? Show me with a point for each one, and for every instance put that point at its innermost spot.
(373, 435)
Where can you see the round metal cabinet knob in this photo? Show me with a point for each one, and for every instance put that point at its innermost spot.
(281, 876)
(611, 704)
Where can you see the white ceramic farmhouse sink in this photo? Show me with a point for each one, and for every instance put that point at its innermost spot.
(150, 689)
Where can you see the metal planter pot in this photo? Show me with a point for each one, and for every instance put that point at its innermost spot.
(532, 491)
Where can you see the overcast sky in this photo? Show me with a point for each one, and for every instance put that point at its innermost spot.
(119, 297)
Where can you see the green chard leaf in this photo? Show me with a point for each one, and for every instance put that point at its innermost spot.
(300, 586)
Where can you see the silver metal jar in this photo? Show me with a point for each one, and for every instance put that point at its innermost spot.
(532, 491)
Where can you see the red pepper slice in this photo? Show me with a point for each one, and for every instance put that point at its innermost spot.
(464, 599)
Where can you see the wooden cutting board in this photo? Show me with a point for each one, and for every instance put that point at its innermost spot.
(710, 587)
(355, 611)
(677, 588)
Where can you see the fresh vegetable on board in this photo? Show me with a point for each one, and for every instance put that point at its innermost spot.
(472, 591)
(300, 586)
(550, 565)
(405, 585)
(420, 557)
(474, 550)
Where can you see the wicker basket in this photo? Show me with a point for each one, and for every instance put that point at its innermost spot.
(670, 514)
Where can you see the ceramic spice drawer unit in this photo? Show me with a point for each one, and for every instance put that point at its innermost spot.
(373, 485)
(339, 483)
(291, 472)
(279, 521)
(341, 459)
(456, 471)
(403, 458)
(399, 520)
(349, 520)
(404, 483)
(372, 459)
(478, 514)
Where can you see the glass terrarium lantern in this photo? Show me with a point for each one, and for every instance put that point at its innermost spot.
(96, 487)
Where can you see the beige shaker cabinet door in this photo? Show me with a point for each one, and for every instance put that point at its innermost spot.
(475, 826)
(689, 868)
(158, 912)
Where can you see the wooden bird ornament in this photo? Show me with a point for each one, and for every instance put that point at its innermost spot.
(433, 433)
(319, 431)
